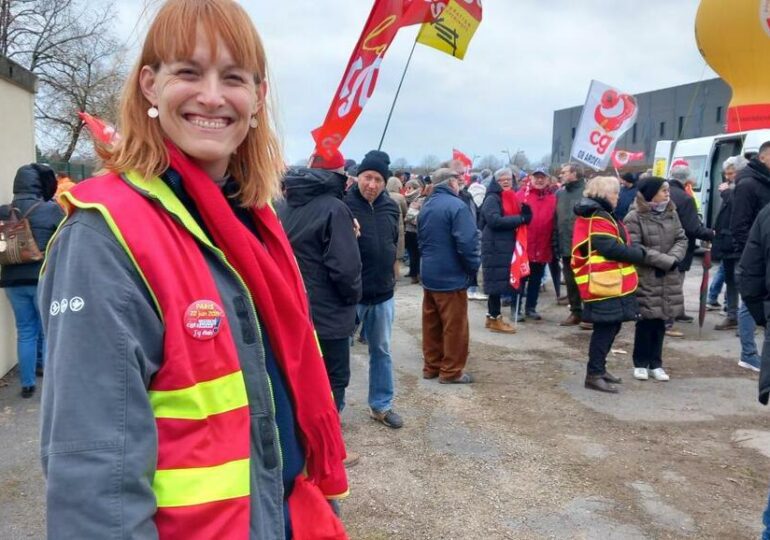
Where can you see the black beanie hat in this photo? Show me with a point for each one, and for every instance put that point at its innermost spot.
(649, 187)
(377, 162)
(629, 177)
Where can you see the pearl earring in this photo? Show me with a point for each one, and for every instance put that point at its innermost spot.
(253, 122)
(153, 112)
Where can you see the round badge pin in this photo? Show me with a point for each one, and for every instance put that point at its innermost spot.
(203, 319)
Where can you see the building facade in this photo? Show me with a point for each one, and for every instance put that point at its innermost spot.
(681, 112)
(17, 148)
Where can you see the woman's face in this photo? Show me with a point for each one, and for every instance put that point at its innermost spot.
(205, 103)
(539, 181)
(663, 194)
(506, 182)
(612, 198)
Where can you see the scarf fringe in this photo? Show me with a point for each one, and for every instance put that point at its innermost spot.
(325, 450)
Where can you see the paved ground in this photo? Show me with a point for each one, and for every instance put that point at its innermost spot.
(526, 452)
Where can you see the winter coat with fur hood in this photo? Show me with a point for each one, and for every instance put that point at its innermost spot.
(665, 242)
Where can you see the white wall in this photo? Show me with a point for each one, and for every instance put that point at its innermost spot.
(17, 148)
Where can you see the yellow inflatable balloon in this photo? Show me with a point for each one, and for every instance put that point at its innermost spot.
(734, 38)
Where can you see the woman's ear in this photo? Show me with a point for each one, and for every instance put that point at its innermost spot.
(147, 84)
(261, 96)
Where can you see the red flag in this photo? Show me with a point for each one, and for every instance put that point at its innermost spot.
(621, 158)
(360, 78)
(466, 161)
(520, 259)
(100, 130)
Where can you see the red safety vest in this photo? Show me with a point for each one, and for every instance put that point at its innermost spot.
(198, 395)
(585, 264)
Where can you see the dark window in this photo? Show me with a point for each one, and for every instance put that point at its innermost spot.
(633, 135)
(662, 129)
(573, 134)
(719, 115)
(681, 126)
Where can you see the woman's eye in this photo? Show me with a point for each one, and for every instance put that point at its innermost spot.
(235, 78)
(186, 72)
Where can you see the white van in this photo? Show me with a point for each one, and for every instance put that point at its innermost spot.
(705, 157)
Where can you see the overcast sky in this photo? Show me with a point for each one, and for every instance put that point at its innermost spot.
(528, 58)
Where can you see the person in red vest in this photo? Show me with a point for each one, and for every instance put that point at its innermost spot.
(185, 394)
(603, 262)
(540, 198)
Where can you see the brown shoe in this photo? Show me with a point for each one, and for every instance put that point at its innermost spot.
(429, 374)
(563, 301)
(351, 460)
(499, 325)
(572, 320)
(597, 382)
(610, 378)
(673, 332)
(586, 325)
(727, 324)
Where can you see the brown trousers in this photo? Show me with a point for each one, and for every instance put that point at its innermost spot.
(445, 333)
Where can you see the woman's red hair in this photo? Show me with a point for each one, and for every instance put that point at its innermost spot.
(257, 165)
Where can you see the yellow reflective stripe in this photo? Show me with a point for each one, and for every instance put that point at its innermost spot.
(201, 400)
(119, 237)
(201, 485)
(628, 270)
(597, 259)
(581, 279)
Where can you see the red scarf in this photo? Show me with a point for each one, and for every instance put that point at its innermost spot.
(273, 279)
(510, 203)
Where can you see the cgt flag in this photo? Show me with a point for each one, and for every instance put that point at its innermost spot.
(520, 260)
(621, 158)
(360, 77)
(466, 161)
(607, 114)
(452, 26)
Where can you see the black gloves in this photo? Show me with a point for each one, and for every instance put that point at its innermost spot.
(674, 266)
(660, 273)
(526, 214)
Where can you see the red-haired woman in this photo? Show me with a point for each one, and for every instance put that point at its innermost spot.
(185, 395)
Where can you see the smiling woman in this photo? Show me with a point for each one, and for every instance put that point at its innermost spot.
(191, 367)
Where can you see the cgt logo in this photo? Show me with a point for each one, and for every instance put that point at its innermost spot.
(613, 111)
(764, 15)
(60, 307)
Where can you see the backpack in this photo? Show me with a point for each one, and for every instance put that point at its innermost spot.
(17, 244)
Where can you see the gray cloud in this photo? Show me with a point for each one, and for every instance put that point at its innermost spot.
(527, 59)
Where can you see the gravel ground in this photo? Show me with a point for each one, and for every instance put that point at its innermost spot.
(526, 452)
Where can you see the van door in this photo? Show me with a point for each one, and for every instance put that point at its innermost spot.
(662, 158)
(724, 148)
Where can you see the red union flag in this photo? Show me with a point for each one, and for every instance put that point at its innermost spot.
(360, 78)
(466, 161)
(621, 158)
(100, 130)
(520, 259)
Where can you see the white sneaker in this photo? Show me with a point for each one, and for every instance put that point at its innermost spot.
(746, 365)
(640, 373)
(475, 295)
(659, 375)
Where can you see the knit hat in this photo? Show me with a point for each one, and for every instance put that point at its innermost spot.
(376, 161)
(629, 177)
(649, 187)
(332, 163)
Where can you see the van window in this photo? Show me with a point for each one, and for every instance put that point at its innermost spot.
(697, 165)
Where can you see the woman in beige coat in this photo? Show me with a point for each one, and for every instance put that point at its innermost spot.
(654, 224)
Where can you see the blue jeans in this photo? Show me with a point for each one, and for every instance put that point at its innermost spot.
(377, 325)
(717, 282)
(746, 328)
(766, 522)
(29, 329)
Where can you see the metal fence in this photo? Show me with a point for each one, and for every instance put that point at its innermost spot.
(76, 171)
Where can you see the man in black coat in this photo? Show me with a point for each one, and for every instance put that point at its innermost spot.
(754, 284)
(320, 228)
(752, 193)
(681, 175)
(378, 217)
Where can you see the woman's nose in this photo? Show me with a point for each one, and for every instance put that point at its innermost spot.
(211, 91)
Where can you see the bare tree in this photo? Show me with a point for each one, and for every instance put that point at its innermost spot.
(68, 45)
(430, 163)
(400, 164)
(489, 161)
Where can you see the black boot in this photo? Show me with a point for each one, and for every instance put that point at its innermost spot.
(597, 382)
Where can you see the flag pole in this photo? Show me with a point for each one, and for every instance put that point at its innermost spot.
(398, 91)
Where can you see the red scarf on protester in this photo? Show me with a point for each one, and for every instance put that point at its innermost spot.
(510, 203)
(272, 276)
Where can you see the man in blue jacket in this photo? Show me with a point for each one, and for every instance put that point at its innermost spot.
(449, 245)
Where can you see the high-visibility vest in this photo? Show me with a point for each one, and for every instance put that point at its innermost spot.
(585, 264)
(198, 396)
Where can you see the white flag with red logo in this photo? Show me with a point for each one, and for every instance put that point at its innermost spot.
(520, 259)
(607, 115)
